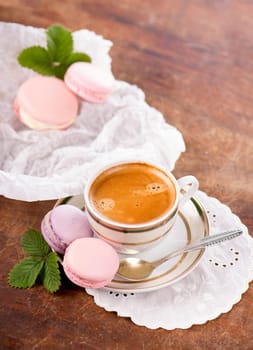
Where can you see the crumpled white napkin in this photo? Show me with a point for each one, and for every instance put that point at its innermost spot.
(40, 165)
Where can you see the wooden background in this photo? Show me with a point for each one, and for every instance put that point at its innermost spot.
(194, 60)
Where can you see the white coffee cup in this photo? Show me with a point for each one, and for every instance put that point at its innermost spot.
(131, 238)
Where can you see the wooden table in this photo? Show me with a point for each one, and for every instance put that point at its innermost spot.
(194, 60)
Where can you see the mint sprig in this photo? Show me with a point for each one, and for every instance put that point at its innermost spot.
(42, 263)
(56, 58)
(33, 243)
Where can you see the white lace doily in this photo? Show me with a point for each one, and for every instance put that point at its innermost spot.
(215, 285)
(39, 165)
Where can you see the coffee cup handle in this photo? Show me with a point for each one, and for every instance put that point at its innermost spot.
(188, 185)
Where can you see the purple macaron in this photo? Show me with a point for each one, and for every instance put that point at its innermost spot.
(64, 224)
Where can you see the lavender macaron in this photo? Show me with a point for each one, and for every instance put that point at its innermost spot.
(64, 224)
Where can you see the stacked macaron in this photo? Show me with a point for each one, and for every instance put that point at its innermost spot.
(88, 261)
(62, 225)
(89, 82)
(45, 103)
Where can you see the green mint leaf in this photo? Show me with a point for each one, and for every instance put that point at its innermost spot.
(51, 274)
(34, 244)
(59, 55)
(78, 57)
(36, 58)
(24, 274)
(59, 71)
(59, 43)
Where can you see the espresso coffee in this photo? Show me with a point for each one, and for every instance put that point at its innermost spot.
(132, 193)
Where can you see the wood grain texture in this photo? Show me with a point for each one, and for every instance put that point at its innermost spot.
(194, 60)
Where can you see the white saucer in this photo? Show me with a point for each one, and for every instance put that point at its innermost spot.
(192, 224)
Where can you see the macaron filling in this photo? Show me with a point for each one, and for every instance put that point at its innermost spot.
(46, 103)
(54, 234)
(51, 236)
(36, 124)
(48, 238)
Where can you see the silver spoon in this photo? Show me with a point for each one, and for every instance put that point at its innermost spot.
(136, 269)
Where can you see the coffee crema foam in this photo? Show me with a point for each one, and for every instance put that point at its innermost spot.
(133, 193)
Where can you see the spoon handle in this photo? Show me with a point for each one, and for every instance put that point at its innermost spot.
(202, 243)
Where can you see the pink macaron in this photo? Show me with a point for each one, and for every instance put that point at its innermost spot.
(89, 82)
(90, 262)
(64, 224)
(44, 103)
